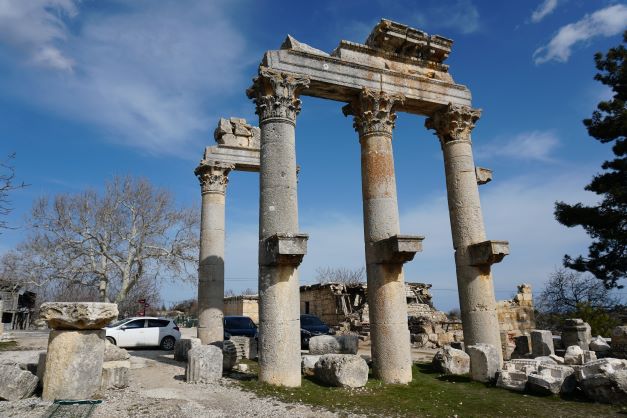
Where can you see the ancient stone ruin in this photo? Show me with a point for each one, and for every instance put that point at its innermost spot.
(398, 69)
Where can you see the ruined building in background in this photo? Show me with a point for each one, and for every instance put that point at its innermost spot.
(242, 305)
(516, 318)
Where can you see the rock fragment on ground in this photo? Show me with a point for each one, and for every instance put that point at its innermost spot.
(451, 361)
(484, 362)
(16, 383)
(343, 370)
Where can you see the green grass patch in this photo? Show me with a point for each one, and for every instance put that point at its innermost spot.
(8, 345)
(430, 394)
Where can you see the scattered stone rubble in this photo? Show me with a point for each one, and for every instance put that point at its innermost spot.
(452, 361)
(342, 370)
(333, 344)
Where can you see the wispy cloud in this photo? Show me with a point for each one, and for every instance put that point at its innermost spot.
(543, 10)
(533, 145)
(461, 16)
(36, 28)
(141, 73)
(608, 21)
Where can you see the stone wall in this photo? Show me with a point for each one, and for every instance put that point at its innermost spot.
(242, 306)
(322, 302)
(516, 317)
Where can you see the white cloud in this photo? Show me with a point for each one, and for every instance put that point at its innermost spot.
(141, 74)
(543, 10)
(604, 22)
(36, 27)
(462, 16)
(533, 145)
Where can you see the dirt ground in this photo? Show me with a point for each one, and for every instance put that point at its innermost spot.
(158, 389)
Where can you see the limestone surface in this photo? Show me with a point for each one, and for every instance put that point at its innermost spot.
(451, 361)
(542, 343)
(16, 383)
(343, 370)
(74, 364)
(115, 374)
(78, 315)
(513, 380)
(331, 344)
(114, 353)
(308, 364)
(204, 364)
(182, 346)
(552, 380)
(599, 344)
(607, 386)
(484, 362)
(574, 355)
(576, 332)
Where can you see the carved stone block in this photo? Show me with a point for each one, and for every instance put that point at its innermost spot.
(484, 175)
(399, 248)
(488, 252)
(285, 249)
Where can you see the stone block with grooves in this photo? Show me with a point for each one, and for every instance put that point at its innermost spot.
(512, 380)
(78, 315)
(451, 361)
(542, 343)
(604, 382)
(342, 370)
(204, 364)
(16, 383)
(115, 374)
(229, 354)
(74, 364)
(182, 346)
(484, 362)
(331, 344)
(552, 380)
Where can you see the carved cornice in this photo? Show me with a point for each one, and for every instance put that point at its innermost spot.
(453, 123)
(213, 176)
(373, 112)
(276, 94)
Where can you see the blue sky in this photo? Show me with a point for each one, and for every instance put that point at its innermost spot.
(92, 89)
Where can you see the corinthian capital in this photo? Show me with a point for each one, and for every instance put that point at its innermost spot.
(373, 112)
(213, 176)
(276, 94)
(453, 123)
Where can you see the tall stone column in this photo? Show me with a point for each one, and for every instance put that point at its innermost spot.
(474, 255)
(386, 250)
(213, 178)
(281, 247)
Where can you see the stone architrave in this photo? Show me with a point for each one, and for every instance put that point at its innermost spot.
(76, 346)
(374, 118)
(213, 178)
(473, 253)
(281, 246)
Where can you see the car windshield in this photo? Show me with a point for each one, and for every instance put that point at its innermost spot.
(239, 323)
(117, 323)
(310, 321)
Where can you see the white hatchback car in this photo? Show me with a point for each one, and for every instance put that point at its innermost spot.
(144, 332)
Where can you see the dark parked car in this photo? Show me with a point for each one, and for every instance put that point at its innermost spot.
(310, 326)
(239, 325)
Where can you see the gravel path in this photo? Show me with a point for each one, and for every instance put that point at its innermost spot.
(158, 389)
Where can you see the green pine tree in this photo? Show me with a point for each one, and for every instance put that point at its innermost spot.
(606, 223)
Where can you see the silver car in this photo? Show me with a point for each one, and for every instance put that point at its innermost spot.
(144, 332)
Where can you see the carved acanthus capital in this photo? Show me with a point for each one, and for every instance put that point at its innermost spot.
(276, 94)
(373, 112)
(213, 176)
(453, 123)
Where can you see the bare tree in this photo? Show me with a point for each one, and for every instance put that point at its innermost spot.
(128, 240)
(341, 275)
(566, 290)
(7, 184)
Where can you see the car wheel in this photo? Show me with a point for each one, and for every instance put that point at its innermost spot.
(167, 343)
(111, 340)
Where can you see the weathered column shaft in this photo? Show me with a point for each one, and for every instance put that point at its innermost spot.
(276, 97)
(213, 178)
(476, 289)
(391, 351)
